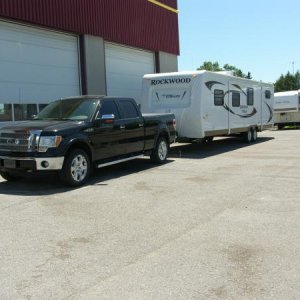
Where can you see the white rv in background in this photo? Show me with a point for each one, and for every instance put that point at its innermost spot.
(208, 104)
(287, 108)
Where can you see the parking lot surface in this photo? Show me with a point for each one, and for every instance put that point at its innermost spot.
(218, 221)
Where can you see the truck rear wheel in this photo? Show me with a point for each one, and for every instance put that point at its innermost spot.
(76, 169)
(160, 152)
(208, 139)
(10, 177)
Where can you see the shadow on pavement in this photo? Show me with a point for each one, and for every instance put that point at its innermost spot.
(219, 146)
(287, 128)
(48, 184)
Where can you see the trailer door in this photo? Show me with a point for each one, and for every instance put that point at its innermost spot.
(215, 109)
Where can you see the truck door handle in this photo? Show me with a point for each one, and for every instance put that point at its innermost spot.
(141, 125)
(122, 126)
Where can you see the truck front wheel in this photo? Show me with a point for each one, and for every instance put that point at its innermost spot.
(161, 151)
(76, 169)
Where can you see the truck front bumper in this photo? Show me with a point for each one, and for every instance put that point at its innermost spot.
(31, 163)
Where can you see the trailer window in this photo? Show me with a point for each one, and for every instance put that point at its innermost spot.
(219, 97)
(250, 96)
(236, 99)
(268, 94)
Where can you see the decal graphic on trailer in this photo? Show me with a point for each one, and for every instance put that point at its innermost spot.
(210, 85)
(171, 98)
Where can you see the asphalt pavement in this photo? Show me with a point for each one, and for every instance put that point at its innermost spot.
(218, 221)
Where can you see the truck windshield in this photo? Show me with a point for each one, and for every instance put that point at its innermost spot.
(69, 109)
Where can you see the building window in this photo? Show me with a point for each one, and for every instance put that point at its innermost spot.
(24, 111)
(250, 96)
(219, 97)
(268, 94)
(5, 112)
(236, 99)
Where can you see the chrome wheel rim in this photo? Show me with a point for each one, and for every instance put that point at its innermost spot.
(79, 168)
(162, 150)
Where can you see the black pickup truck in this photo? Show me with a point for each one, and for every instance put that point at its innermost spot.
(73, 135)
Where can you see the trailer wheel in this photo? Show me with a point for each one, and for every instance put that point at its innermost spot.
(254, 135)
(10, 177)
(248, 136)
(280, 126)
(160, 152)
(76, 169)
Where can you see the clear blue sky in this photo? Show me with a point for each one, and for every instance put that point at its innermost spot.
(262, 37)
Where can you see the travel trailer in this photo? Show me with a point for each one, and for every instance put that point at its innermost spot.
(287, 108)
(208, 104)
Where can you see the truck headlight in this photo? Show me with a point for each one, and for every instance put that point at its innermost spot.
(46, 142)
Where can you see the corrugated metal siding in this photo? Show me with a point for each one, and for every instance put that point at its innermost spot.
(137, 23)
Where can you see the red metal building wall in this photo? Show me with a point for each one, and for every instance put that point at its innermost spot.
(138, 23)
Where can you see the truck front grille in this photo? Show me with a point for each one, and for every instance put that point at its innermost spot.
(15, 141)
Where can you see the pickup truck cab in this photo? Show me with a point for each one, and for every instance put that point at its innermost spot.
(73, 135)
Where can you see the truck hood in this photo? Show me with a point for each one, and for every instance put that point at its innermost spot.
(42, 125)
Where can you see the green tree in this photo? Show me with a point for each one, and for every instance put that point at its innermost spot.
(210, 66)
(288, 82)
(236, 71)
(215, 67)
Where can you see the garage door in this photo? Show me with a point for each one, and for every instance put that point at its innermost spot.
(37, 65)
(125, 68)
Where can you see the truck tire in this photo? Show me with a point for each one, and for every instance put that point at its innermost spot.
(208, 139)
(254, 135)
(160, 152)
(10, 177)
(248, 136)
(76, 169)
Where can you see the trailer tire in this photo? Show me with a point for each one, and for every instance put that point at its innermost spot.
(280, 127)
(76, 169)
(9, 176)
(248, 136)
(254, 135)
(160, 152)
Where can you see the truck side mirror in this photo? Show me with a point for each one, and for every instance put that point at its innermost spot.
(106, 120)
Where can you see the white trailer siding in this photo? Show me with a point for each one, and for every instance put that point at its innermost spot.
(208, 103)
(287, 108)
(286, 101)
